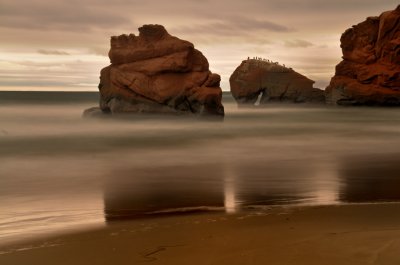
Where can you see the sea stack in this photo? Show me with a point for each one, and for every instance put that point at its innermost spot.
(269, 82)
(158, 73)
(370, 71)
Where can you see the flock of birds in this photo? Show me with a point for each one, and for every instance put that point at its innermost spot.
(265, 60)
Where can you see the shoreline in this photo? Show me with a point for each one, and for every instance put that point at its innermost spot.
(333, 234)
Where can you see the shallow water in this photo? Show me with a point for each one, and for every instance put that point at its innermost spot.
(58, 170)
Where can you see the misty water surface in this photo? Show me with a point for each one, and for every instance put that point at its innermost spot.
(58, 170)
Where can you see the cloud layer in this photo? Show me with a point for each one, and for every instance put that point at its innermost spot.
(64, 43)
(52, 52)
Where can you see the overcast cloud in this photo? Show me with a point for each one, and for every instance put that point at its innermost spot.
(64, 43)
(52, 52)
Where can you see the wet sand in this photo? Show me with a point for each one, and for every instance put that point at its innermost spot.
(342, 234)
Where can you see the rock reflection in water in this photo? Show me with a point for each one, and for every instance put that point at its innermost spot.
(140, 192)
(370, 178)
(160, 190)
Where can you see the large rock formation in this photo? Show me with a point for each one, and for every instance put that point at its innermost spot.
(158, 73)
(370, 71)
(267, 81)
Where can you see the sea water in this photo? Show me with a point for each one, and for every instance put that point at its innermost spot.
(58, 170)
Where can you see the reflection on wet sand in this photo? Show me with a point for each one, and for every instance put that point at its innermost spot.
(135, 192)
(140, 192)
(231, 187)
(370, 178)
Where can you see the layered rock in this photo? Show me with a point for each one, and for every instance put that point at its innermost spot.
(268, 82)
(370, 71)
(158, 73)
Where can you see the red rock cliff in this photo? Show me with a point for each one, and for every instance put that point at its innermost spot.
(158, 73)
(370, 71)
(270, 82)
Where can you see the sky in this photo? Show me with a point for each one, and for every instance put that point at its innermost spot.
(63, 44)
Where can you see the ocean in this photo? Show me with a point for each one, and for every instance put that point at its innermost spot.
(59, 171)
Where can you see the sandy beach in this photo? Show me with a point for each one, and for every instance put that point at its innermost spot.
(345, 234)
